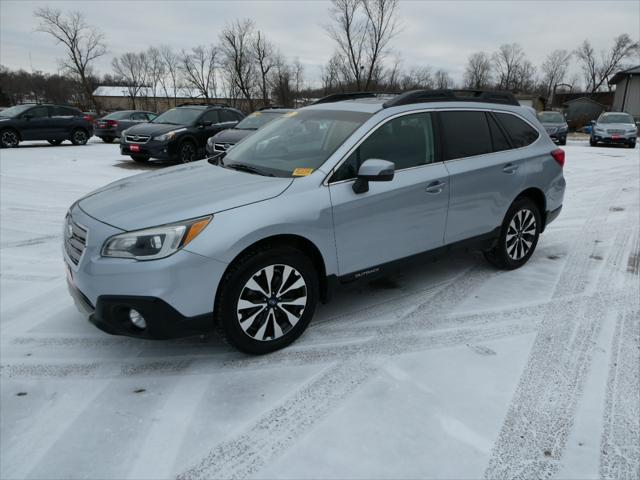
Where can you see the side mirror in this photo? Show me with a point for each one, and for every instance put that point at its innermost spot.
(592, 122)
(373, 170)
(206, 124)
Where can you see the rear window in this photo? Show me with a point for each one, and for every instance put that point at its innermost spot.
(465, 134)
(498, 138)
(520, 132)
(118, 115)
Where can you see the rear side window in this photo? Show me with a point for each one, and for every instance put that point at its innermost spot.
(498, 139)
(63, 112)
(406, 141)
(38, 112)
(464, 134)
(210, 116)
(520, 132)
(139, 116)
(227, 116)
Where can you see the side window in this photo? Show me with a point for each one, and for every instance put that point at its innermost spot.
(151, 116)
(62, 112)
(38, 112)
(498, 139)
(520, 132)
(227, 116)
(464, 134)
(210, 116)
(406, 141)
(237, 116)
(139, 116)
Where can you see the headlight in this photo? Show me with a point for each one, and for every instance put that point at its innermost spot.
(599, 130)
(552, 130)
(156, 242)
(169, 135)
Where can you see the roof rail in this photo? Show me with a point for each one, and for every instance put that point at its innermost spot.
(425, 96)
(338, 97)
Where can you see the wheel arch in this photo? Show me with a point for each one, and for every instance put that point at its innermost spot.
(539, 198)
(298, 242)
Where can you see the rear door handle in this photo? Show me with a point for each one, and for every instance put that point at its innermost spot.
(510, 168)
(435, 187)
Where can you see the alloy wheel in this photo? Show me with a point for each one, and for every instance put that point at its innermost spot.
(80, 137)
(187, 153)
(272, 302)
(521, 234)
(10, 138)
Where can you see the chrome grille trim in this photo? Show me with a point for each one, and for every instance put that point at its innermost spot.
(75, 240)
(222, 147)
(615, 131)
(139, 139)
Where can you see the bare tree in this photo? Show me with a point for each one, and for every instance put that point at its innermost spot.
(132, 69)
(172, 76)
(477, 73)
(155, 73)
(235, 44)
(83, 43)
(524, 79)
(362, 30)
(598, 72)
(417, 78)
(554, 69)
(508, 61)
(280, 80)
(331, 74)
(442, 79)
(265, 61)
(199, 69)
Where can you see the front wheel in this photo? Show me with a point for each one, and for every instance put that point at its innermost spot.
(632, 144)
(267, 299)
(592, 142)
(518, 236)
(563, 142)
(79, 137)
(187, 152)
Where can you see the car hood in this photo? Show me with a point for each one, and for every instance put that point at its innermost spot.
(616, 126)
(152, 129)
(232, 135)
(178, 193)
(553, 125)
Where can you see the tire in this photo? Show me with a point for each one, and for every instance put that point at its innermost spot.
(562, 142)
(632, 144)
(518, 238)
(55, 142)
(79, 136)
(276, 320)
(187, 152)
(592, 142)
(9, 138)
(107, 139)
(140, 158)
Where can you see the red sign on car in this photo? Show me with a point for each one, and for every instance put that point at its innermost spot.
(134, 148)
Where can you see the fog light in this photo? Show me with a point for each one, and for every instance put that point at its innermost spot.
(137, 319)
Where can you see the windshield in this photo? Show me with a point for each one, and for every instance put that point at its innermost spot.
(550, 117)
(257, 120)
(13, 111)
(297, 143)
(117, 115)
(178, 116)
(616, 118)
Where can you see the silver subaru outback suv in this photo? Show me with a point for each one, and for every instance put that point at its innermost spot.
(345, 189)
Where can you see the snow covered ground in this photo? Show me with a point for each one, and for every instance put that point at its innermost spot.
(449, 370)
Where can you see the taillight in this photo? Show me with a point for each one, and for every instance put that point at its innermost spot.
(112, 123)
(88, 118)
(558, 156)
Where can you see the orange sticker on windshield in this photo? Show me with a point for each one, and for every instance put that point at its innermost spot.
(291, 114)
(302, 172)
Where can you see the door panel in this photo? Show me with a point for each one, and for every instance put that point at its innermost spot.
(36, 124)
(63, 121)
(392, 220)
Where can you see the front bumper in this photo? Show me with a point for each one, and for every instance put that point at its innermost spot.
(175, 294)
(153, 149)
(624, 138)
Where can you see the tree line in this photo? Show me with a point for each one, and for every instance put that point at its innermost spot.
(245, 67)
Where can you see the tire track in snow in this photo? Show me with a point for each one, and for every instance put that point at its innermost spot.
(620, 443)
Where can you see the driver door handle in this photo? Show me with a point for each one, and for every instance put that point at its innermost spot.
(435, 187)
(510, 168)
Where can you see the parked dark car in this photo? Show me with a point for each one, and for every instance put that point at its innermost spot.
(179, 134)
(109, 127)
(555, 125)
(54, 123)
(226, 139)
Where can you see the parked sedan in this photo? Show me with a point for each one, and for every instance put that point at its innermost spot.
(614, 127)
(110, 127)
(555, 125)
(228, 138)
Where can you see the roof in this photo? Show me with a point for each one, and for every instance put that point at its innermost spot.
(618, 77)
(122, 91)
(583, 99)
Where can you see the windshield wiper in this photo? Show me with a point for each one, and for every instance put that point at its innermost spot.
(243, 167)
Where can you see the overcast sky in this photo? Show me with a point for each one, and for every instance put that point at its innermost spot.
(439, 34)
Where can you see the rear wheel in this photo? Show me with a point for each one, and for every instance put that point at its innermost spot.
(9, 138)
(55, 142)
(267, 299)
(140, 158)
(107, 139)
(79, 136)
(518, 236)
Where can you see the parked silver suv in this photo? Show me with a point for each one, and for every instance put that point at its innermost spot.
(338, 191)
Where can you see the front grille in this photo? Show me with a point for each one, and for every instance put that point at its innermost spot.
(614, 131)
(222, 147)
(75, 240)
(137, 138)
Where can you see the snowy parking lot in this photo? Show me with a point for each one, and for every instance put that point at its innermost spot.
(451, 369)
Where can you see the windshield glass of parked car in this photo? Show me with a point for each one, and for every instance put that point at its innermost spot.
(551, 117)
(117, 116)
(178, 116)
(13, 111)
(297, 143)
(257, 120)
(616, 118)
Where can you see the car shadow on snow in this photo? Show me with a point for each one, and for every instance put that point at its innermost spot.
(150, 165)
